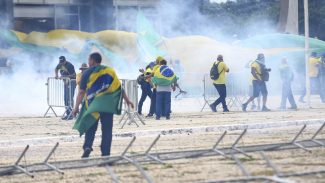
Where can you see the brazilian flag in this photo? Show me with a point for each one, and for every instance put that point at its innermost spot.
(103, 94)
(164, 76)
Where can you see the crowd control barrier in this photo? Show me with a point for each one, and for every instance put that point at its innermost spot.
(60, 92)
(237, 90)
(130, 116)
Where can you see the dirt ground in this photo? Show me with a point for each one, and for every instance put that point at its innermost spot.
(184, 170)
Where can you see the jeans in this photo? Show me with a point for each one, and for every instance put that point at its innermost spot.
(146, 92)
(68, 95)
(287, 94)
(153, 102)
(106, 120)
(163, 104)
(222, 90)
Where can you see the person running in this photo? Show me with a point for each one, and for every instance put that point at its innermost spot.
(166, 81)
(100, 91)
(68, 74)
(259, 76)
(144, 81)
(287, 76)
(220, 85)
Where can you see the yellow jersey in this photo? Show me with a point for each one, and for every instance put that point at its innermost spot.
(313, 66)
(258, 69)
(78, 78)
(222, 69)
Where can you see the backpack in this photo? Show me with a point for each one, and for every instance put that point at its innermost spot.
(265, 73)
(214, 72)
(140, 79)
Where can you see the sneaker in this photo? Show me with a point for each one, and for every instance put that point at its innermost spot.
(167, 118)
(265, 109)
(69, 118)
(226, 110)
(157, 118)
(64, 117)
(149, 116)
(86, 153)
(244, 107)
(213, 108)
(293, 108)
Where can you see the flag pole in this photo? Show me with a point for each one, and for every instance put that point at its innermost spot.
(306, 15)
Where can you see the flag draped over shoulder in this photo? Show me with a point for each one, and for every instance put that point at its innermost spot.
(164, 76)
(103, 94)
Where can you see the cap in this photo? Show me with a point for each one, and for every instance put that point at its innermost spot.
(83, 66)
(220, 58)
(62, 59)
(159, 59)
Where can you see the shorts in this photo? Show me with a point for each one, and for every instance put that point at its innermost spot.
(259, 87)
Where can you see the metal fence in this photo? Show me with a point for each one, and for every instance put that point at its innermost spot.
(237, 90)
(130, 116)
(60, 93)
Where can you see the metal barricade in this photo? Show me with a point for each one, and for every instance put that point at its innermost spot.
(60, 93)
(237, 90)
(130, 116)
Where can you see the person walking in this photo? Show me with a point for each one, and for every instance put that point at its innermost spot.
(287, 77)
(314, 73)
(100, 94)
(322, 78)
(260, 74)
(144, 81)
(166, 81)
(220, 84)
(68, 75)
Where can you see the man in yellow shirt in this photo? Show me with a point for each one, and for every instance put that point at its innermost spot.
(259, 73)
(83, 67)
(220, 85)
(314, 74)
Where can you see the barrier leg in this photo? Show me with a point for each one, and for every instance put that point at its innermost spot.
(49, 156)
(17, 166)
(50, 108)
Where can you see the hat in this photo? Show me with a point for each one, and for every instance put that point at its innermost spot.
(83, 66)
(62, 59)
(220, 58)
(159, 59)
(261, 58)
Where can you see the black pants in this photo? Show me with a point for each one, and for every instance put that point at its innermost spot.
(222, 90)
(287, 94)
(106, 120)
(153, 102)
(146, 92)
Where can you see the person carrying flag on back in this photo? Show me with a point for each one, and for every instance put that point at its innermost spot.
(101, 96)
(166, 81)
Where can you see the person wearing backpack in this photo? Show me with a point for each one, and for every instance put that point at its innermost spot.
(218, 75)
(260, 74)
(144, 81)
(287, 76)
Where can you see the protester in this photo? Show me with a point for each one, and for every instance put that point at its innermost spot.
(287, 77)
(68, 74)
(314, 74)
(166, 81)
(250, 91)
(83, 67)
(260, 74)
(144, 80)
(100, 94)
(322, 78)
(220, 84)
(153, 105)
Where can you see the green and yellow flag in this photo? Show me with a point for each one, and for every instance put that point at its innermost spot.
(164, 76)
(103, 94)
